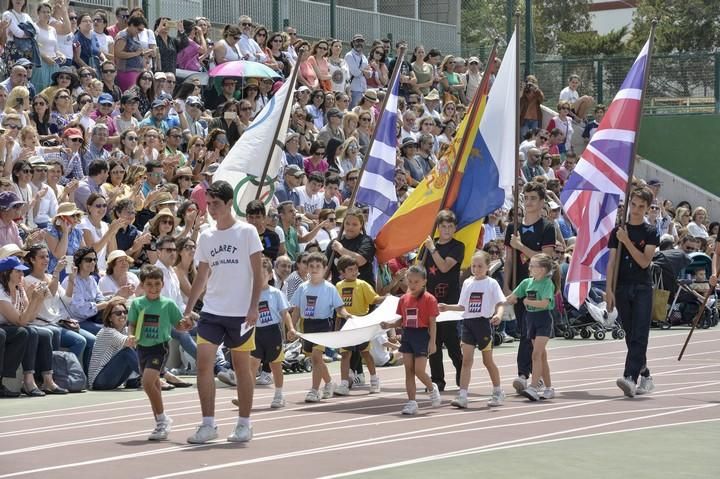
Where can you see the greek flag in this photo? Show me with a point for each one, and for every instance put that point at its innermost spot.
(377, 185)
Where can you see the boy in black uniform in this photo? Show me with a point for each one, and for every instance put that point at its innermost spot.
(537, 235)
(633, 290)
(442, 262)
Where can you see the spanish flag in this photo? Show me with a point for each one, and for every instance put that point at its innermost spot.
(484, 149)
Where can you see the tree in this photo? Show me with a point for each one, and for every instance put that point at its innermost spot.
(482, 22)
(683, 26)
(588, 44)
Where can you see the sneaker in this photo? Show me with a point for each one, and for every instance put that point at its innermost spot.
(312, 396)
(520, 384)
(342, 390)
(278, 402)
(162, 428)
(460, 402)
(329, 390)
(374, 385)
(627, 385)
(646, 385)
(227, 376)
(351, 380)
(264, 379)
(541, 384)
(531, 393)
(410, 408)
(337, 357)
(327, 358)
(435, 396)
(203, 434)
(242, 433)
(506, 338)
(496, 399)
(359, 379)
(548, 393)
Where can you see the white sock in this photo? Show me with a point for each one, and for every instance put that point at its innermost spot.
(374, 377)
(161, 417)
(497, 389)
(243, 421)
(208, 421)
(463, 393)
(278, 392)
(344, 382)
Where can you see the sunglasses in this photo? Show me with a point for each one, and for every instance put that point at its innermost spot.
(89, 260)
(64, 77)
(13, 127)
(167, 249)
(352, 178)
(494, 252)
(63, 97)
(86, 75)
(246, 24)
(101, 206)
(189, 247)
(132, 138)
(119, 313)
(108, 71)
(184, 178)
(27, 171)
(73, 18)
(76, 140)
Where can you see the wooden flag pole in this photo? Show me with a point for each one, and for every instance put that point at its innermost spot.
(633, 154)
(475, 106)
(353, 195)
(288, 101)
(696, 321)
(516, 188)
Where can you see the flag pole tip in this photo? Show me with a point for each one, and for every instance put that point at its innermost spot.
(654, 22)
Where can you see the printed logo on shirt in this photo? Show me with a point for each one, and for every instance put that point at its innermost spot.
(475, 302)
(347, 295)
(151, 326)
(441, 291)
(310, 304)
(532, 295)
(411, 317)
(264, 310)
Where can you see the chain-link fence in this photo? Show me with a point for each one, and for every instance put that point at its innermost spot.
(679, 83)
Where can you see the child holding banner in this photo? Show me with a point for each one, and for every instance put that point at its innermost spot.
(357, 295)
(417, 309)
(313, 305)
(481, 302)
(150, 320)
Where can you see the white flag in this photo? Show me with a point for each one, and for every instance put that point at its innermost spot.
(245, 162)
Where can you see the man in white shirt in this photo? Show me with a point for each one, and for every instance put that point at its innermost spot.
(473, 77)
(46, 208)
(311, 198)
(249, 48)
(580, 105)
(359, 69)
(167, 254)
(290, 52)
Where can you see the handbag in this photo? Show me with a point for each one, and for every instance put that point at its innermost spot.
(661, 297)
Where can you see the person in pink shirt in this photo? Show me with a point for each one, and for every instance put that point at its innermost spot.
(316, 161)
(568, 166)
(10, 208)
(121, 16)
(198, 193)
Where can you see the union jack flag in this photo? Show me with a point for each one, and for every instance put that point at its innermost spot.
(595, 188)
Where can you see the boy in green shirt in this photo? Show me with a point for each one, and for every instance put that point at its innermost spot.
(150, 320)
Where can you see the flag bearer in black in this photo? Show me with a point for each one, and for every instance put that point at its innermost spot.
(537, 235)
(633, 290)
(443, 259)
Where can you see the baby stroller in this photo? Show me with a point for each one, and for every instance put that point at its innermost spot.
(690, 286)
(592, 319)
(295, 360)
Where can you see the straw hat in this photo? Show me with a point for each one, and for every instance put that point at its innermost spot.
(184, 171)
(432, 95)
(67, 209)
(371, 94)
(117, 254)
(11, 250)
(165, 212)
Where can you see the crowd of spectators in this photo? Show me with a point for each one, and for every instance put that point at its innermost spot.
(110, 136)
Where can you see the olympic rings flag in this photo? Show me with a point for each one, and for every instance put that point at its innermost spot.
(245, 162)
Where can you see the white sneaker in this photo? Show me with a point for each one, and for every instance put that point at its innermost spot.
(329, 390)
(264, 379)
(460, 402)
(242, 433)
(374, 385)
(278, 402)
(342, 390)
(520, 384)
(162, 428)
(227, 376)
(327, 359)
(548, 393)
(646, 385)
(359, 380)
(312, 396)
(531, 393)
(541, 384)
(435, 396)
(410, 408)
(627, 385)
(496, 399)
(203, 434)
(506, 338)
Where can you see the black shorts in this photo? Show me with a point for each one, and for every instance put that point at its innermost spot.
(215, 329)
(314, 326)
(268, 344)
(539, 323)
(477, 332)
(152, 357)
(415, 341)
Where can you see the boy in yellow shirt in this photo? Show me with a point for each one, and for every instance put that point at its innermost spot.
(358, 296)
